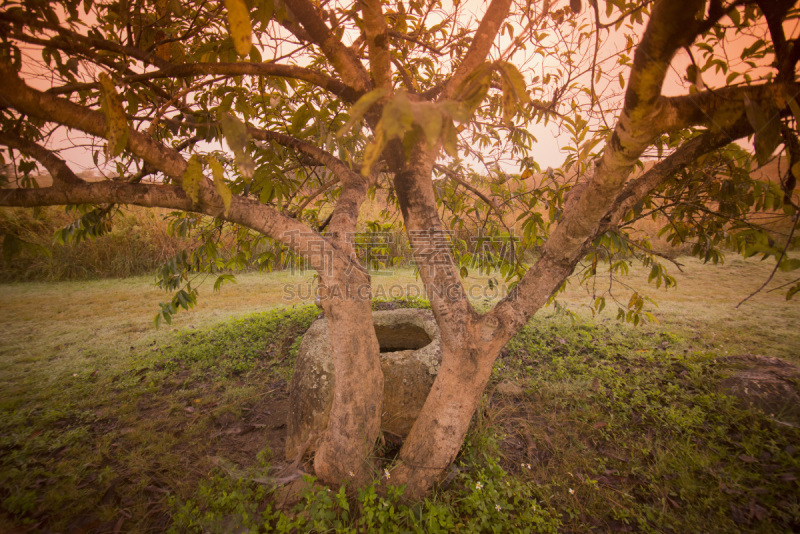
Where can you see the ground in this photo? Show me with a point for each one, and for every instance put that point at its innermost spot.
(109, 425)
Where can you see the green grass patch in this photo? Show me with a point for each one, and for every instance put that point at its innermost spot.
(105, 448)
(629, 429)
(237, 345)
(616, 428)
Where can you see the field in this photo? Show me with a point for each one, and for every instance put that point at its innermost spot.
(109, 425)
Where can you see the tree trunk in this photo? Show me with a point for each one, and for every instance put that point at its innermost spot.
(355, 415)
(442, 425)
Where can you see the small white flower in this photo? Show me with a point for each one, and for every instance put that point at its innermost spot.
(74, 374)
(497, 507)
(571, 491)
(352, 474)
(386, 474)
(478, 486)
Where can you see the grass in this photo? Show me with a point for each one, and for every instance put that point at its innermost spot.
(106, 423)
(138, 242)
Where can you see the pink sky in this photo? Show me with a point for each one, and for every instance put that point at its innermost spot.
(547, 152)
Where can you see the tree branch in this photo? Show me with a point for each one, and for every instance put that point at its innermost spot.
(324, 187)
(377, 43)
(343, 59)
(15, 94)
(777, 262)
(430, 249)
(478, 50)
(717, 108)
(636, 190)
(259, 217)
(322, 157)
(70, 37)
(58, 169)
(319, 79)
(671, 27)
(354, 186)
(477, 192)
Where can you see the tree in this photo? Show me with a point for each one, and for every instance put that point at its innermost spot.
(422, 96)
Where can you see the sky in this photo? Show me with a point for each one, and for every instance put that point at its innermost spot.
(77, 148)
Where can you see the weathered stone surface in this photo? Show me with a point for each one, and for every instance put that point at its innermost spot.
(410, 358)
(770, 384)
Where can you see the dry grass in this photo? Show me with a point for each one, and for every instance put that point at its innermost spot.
(704, 306)
(138, 243)
(79, 325)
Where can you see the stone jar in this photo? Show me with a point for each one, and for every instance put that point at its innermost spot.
(410, 356)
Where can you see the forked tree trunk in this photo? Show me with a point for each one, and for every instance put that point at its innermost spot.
(437, 435)
(355, 415)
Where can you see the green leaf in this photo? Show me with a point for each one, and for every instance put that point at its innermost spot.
(255, 55)
(793, 106)
(397, 117)
(429, 117)
(725, 116)
(236, 135)
(474, 88)
(516, 83)
(240, 26)
(790, 264)
(218, 173)
(192, 177)
(221, 279)
(361, 107)
(456, 110)
(450, 139)
(599, 304)
(767, 129)
(373, 151)
(793, 291)
(235, 132)
(116, 121)
(300, 119)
